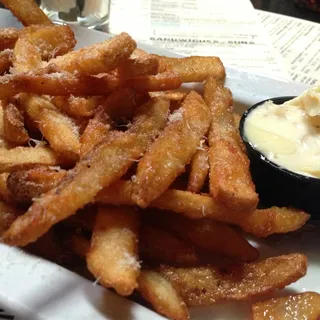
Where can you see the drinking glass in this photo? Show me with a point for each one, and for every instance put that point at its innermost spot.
(87, 13)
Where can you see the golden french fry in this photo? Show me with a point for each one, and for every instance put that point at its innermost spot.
(8, 38)
(25, 185)
(260, 222)
(230, 179)
(172, 151)
(193, 69)
(170, 95)
(157, 245)
(210, 236)
(13, 126)
(139, 66)
(97, 58)
(57, 84)
(5, 193)
(163, 297)
(305, 305)
(27, 12)
(113, 254)
(22, 157)
(8, 214)
(199, 168)
(96, 131)
(209, 285)
(100, 168)
(78, 106)
(60, 130)
(5, 61)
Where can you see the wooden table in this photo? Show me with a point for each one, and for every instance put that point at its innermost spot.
(286, 7)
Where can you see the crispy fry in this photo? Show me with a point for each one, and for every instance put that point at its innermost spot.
(8, 38)
(27, 12)
(199, 168)
(112, 257)
(100, 168)
(122, 103)
(230, 179)
(172, 151)
(193, 69)
(13, 126)
(210, 285)
(22, 157)
(8, 214)
(139, 66)
(212, 237)
(25, 185)
(260, 223)
(50, 41)
(98, 58)
(5, 61)
(158, 245)
(305, 305)
(96, 131)
(61, 132)
(78, 106)
(159, 82)
(170, 95)
(5, 193)
(162, 296)
(57, 84)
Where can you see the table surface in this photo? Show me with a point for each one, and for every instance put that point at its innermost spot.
(286, 7)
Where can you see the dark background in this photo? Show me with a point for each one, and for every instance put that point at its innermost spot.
(286, 7)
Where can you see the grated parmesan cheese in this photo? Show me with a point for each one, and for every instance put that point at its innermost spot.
(175, 116)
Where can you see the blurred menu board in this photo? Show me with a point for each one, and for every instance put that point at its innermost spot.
(228, 29)
(298, 41)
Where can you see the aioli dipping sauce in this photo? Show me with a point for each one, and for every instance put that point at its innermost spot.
(288, 134)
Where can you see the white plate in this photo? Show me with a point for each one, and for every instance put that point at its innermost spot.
(32, 288)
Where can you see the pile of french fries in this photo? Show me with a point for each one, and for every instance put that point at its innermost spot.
(109, 169)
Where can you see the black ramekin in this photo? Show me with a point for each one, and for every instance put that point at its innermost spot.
(277, 185)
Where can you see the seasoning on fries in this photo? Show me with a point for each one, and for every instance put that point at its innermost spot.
(87, 135)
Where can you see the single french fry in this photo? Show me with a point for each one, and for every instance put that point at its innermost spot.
(8, 38)
(260, 222)
(193, 69)
(113, 253)
(25, 185)
(199, 168)
(5, 60)
(60, 130)
(78, 106)
(209, 285)
(172, 151)
(97, 58)
(50, 41)
(8, 214)
(122, 103)
(210, 236)
(171, 95)
(27, 12)
(13, 126)
(157, 245)
(100, 168)
(96, 131)
(57, 84)
(139, 66)
(304, 305)
(22, 157)
(158, 291)
(230, 179)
